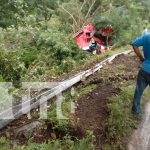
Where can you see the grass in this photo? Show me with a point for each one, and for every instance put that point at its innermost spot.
(15, 92)
(4, 143)
(121, 122)
(61, 125)
(58, 144)
(120, 67)
(68, 99)
(112, 127)
(97, 58)
(56, 71)
(118, 126)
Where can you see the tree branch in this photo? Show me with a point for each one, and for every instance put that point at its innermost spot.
(85, 1)
(90, 9)
(73, 28)
(94, 12)
(69, 14)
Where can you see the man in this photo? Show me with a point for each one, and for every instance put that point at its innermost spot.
(143, 78)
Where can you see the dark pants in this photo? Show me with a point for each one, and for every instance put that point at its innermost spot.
(143, 80)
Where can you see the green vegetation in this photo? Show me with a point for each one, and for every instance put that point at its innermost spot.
(4, 143)
(63, 124)
(36, 45)
(37, 36)
(65, 143)
(120, 67)
(121, 122)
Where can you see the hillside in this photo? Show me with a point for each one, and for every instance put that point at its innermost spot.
(38, 54)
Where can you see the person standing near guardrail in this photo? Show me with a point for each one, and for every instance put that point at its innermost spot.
(143, 78)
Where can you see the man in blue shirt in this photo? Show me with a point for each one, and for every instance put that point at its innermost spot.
(143, 78)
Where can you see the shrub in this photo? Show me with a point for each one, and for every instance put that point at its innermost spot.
(11, 69)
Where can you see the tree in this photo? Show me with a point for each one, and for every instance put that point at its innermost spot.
(79, 12)
(7, 11)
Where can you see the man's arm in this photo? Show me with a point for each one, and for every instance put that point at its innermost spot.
(138, 53)
(136, 44)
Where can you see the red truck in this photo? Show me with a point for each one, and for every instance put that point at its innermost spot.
(95, 42)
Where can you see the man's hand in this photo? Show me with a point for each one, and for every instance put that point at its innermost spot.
(138, 53)
(142, 60)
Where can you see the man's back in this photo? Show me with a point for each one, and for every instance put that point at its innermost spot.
(145, 42)
(146, 46)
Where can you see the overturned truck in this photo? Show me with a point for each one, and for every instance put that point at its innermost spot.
(95, 42)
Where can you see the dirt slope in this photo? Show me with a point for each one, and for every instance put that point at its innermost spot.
(92, 111)
(92, 108)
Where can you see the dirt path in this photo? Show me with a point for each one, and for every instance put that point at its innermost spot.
(140, 139)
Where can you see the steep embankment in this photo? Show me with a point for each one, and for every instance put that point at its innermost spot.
(103, 104)
(95, 110)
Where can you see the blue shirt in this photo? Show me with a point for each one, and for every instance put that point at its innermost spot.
(144, 41)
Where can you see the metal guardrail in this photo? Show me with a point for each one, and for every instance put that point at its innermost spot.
(23, 108)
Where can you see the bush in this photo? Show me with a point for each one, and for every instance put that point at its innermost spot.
(11, 69)
(125, 22)
(28, 56)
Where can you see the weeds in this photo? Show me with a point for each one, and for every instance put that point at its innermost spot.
(64, 124)
(120, 121)
(4, 143)
(65, 144)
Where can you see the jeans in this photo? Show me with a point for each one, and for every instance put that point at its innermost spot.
(143, 80)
